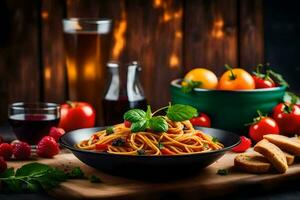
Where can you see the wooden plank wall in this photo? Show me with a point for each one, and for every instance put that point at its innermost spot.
(168, 37)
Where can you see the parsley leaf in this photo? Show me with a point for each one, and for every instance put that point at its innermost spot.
(109, 130)
(94, 179)
(215, 140)
(160, 145)
(190, 85)
(223, 172)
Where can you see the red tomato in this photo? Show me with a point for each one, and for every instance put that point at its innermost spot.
(243, 146)
(201, 120)
(76, 115)
(263, 82)
(166, 151)
(263, 126)
(101, 147)
(287, 117)
(127, 123)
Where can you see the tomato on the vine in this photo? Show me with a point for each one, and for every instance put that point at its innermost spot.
(262, 77)
(201, 120)
(261, 126)
(287, 115)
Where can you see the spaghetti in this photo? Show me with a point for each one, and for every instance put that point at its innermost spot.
(180, 138)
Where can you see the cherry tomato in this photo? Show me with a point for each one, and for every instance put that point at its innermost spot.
(262, 126)
(287, 117)
(101, 147)
(76, 115)
(127, 123)
(166, 151)
(243, 146)
(263, 82)
(202, 120)
(207, 79)
(236, 79)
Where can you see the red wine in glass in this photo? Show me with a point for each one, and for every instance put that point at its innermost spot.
(32, 121)
(31, 128)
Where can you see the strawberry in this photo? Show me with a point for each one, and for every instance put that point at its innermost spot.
(21, 150)
(6, 150)
(56, 133)
(47, 147)
(3, 165)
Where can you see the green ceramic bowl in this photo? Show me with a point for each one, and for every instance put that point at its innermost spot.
(229, 110)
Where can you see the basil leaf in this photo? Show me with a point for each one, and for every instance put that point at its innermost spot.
(135, 115)
(32, 169)
(158, 124)
(139, 125)
(179, 112)
(148, 112)
(8, 173)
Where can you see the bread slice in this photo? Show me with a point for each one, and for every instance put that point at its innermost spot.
(273, 154)
(289, 158)
(285, 143)
(252, 162)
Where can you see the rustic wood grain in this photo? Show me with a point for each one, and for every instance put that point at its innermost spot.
(19, 56)
(154, 38)
(52, 51)
(251, 37)
(210, 34)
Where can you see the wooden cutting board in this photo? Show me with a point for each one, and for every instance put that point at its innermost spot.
(207, 182)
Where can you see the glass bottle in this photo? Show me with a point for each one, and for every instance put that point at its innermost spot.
(122, 95)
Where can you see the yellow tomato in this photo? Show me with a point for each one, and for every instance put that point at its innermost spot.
(236, 79)
(207, 79)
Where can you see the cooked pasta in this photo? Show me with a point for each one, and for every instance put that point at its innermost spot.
(180, 138)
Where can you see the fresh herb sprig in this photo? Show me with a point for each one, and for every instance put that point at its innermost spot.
(190, 85)
(34, 177)
(142, 120)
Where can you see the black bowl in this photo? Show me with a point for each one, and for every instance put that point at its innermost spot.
(148, 167)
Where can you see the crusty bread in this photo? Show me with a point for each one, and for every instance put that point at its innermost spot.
(252, 162)
(289, 158)
(273, 153)
(285, 143)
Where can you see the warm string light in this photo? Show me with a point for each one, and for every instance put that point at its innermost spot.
(217, 30)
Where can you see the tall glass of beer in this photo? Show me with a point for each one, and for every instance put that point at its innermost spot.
(87, 49)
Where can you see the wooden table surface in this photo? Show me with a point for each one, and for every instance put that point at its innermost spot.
(206, 183)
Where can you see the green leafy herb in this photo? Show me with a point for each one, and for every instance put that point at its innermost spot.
(141, 152)
(179, 112)
(190, 85)
(223, 172)
(139, 125)
(34, 177)
(76, 173)
(134, 115)
(109, 130)
(215, 140)
(94, 179)
(278, 78)
(292, 98)
(142, 120)
(160, 145)
(158, 124)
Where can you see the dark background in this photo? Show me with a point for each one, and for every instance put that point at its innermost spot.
(168, 37)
